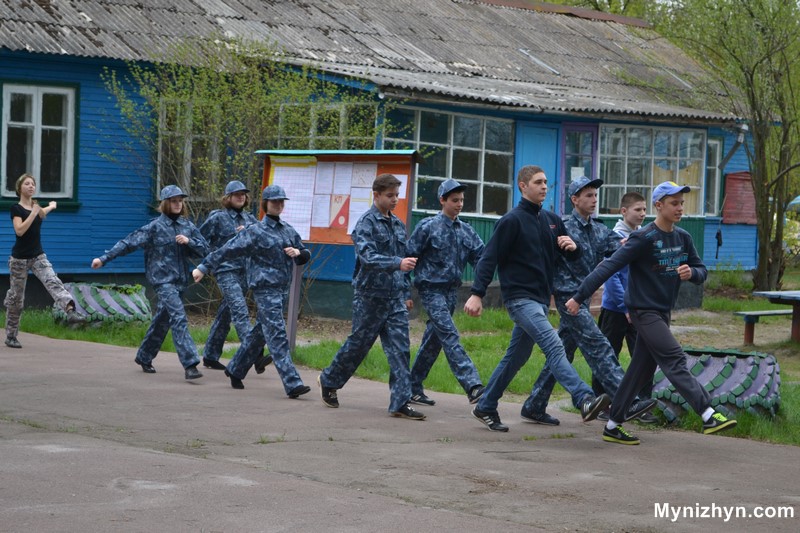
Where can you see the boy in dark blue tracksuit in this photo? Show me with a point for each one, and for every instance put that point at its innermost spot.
(168, 241)
(661, 256)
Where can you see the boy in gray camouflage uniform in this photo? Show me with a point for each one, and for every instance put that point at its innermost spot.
(443, 245)
(381, 300)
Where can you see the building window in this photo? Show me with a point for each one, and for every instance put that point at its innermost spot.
(579, 150)
(713, 175)
(476, 151)
(637, 158)
(336, 126)
(39, 138)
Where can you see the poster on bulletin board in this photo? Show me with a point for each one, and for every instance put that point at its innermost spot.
(329, 190)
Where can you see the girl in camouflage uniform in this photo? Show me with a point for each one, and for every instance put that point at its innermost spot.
(27, 254)
(168, 241)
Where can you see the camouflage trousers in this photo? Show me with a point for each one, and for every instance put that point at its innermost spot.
(579, 331)
(374, 317)
(232, 308)
(270, 330)
(441, 333)
(169, 315)
(18, 279)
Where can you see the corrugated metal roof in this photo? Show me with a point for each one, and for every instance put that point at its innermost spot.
(456, 49)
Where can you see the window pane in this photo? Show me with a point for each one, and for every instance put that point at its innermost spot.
(433, 127)
(578, 142)
(51, 169)
(397, 145)
(638, 171)
(578, 165)
(427, 193)
(21, 108)
(499, 136)
(639, 142)
(612, 141)
(296, 121)
(434, 161)
(327, 122)
(610, 198)
(360, 144)
(497, 168)
(54, 110)
(612, 171)
(19, 155)
(495, 200)
(665, 170)
(466, 164)
(470, 199)
(361, 121)
(666, 144)
(691, 144)
(466, 132)
(400, 123)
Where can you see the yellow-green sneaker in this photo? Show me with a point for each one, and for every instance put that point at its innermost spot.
(619, 435)
(717, 422)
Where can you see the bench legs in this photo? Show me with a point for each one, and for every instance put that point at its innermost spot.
(749, 333)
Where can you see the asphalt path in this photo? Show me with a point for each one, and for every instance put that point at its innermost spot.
(88, 442)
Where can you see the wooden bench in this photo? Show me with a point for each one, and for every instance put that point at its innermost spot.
(751, 318)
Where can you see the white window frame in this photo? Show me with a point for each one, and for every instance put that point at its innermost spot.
(713, 167)
(626, 187)
(450, 146)
(313, 136)
(37, 92)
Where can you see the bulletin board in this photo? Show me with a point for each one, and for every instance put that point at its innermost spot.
(329, 190)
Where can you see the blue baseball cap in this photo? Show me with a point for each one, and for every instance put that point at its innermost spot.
(273, 192)
(668, 188)
(579, 183)
(236, 186)
(450, 185)
(171, 191)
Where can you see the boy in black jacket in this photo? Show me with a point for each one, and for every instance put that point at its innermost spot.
(523, 249)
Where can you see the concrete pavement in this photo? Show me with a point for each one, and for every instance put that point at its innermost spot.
(88, 442)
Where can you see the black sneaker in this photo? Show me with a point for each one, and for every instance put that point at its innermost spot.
(193, 373)
(604, 415)
(492, 420)
(147, 368)
(539, 418)
(299, 391)
(74, 317)
(213, 364)
(421, 399)
(12, 342)
(328, 394)
(592, 407)
(475, 393)
(236, 383)
(262, 363)
(649, 419)
(718, 422)
(408, 412)
(619, 435)
(639, 407)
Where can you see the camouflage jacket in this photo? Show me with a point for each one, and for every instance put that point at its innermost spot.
(443, 247)
(262, 244)
(165, 261)
(380, 246)
(596, 242)
(220, 227)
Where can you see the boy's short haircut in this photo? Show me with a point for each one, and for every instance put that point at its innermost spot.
(527, 172)
(385, 182)
(630, 198)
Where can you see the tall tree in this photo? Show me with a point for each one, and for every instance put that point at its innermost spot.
(753, 46)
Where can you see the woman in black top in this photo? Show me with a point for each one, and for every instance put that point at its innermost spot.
(27, 254)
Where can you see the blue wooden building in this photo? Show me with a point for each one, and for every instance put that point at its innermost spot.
(479, 88)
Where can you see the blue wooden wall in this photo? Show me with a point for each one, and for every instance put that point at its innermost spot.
(114, 185)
